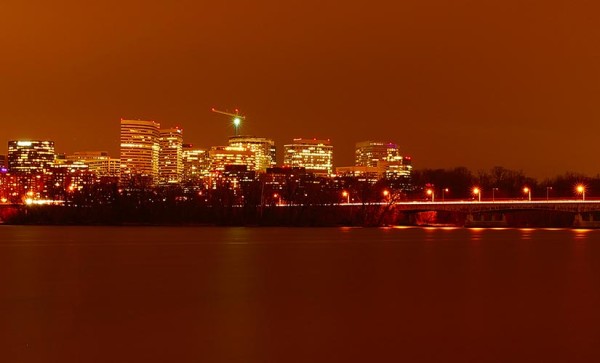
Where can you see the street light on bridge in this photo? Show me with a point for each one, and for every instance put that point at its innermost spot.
(494, 194)
(346, 195)
(444, 191)
(527, 191)
(581, 190)
(548, 189)
(477, 192)
(431, 193)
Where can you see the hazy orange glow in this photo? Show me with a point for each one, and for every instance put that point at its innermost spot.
(421, 73)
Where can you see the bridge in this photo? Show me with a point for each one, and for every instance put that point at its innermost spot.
(566, 205)
(564, 212)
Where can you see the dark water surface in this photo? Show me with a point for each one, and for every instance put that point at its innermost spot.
(162, 294)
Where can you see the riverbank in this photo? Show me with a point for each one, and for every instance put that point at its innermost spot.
(292, 216)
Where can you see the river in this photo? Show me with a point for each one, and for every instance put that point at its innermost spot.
(195, 294)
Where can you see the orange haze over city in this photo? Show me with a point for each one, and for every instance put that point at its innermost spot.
(474, 83)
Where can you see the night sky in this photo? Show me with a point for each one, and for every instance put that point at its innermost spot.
(475, 83)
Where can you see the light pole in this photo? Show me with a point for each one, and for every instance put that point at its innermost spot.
(477, 192)
(581, 190)
(494, 194)
(386, 194)
(548, 189)
(528, 191)
(431, 193)
(346, 195)
(444, 191)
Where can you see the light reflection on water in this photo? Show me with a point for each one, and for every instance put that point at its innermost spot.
(581, 233)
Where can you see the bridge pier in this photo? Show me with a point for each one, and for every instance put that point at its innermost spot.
(585, 220)
(490, 219)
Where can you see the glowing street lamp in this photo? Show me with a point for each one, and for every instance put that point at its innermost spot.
(386, 194)
(581, 190)
(276, 196)
(477, 192)
(527, 191)
(444, 191)
(494, 194)
(346, 195)
(431, 193)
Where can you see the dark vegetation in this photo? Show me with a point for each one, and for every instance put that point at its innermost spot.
(295, 203)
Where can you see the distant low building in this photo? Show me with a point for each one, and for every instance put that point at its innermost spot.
(98, 162)
(367, 173)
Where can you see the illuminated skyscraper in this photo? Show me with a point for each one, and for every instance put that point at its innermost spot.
(139, 151)
(386, 157)
(371, 153)
(314, 155)
(221, 156)
(30, 156)
(263, 149)
(195, 163)
(170, 162)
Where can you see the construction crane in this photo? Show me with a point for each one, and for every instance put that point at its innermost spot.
(236, 118)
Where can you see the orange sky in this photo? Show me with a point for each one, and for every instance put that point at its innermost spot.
(474, 83)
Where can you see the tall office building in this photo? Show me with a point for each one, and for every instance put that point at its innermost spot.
(263, 149)
(195, 163)
(139, 152)
(170, 162)
(222, 156)
(314, 155)
(386, 158)
(371, 153)
(30, 156)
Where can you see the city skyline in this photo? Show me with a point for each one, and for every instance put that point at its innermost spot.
(280, 154)
(506, 83)
(245, 140)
